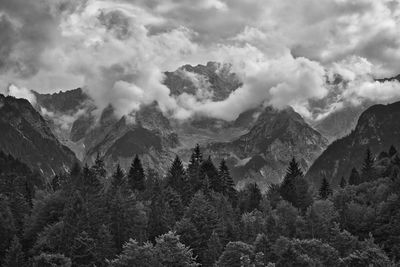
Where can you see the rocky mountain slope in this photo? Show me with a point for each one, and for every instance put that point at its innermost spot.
(377, 128)
(25, 135)
(263, 153)
(259, 143)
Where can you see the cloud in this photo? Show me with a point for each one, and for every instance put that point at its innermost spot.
(21, 92)
(283, 51)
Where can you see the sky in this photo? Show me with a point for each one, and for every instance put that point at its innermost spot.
(286, 52)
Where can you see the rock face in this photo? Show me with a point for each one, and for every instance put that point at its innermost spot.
(263, 153)
(213, 80)
(150, 136)
(258, 144)
(377, 128)
(25, 135)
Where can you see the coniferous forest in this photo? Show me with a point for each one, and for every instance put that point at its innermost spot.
(194, 216)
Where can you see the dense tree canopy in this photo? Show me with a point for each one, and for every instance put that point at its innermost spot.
(195, 215)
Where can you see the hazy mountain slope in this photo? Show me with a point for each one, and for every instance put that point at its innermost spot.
(25, 135)
(377, 128)
(70, 117)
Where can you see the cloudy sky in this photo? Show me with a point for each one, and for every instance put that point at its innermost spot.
(286, 52)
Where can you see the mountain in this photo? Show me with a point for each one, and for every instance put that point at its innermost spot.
(215, 80)
(339, 123)
(259, 143)
(69, 115)
(377, 128)
(26, 135)
(150, 135)
(263, 153)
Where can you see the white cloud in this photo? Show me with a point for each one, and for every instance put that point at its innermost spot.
(21, 92)
(282, 50)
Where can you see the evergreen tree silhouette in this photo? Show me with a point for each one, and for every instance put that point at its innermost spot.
(354, 178)
(392, 151)
(117, 177)
(325, 190)
(288, 186)
(228, 187)
(343, 182)
(176, 177)
(136, 177)
(193, 170)
(208, 169)
(368, 170)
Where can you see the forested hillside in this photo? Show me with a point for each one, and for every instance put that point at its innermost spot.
(194, 216)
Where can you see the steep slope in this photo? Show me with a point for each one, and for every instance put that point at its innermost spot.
(339, 123)
(150, 135)
(263, 153)
(377, 128)
(69, 116)
(25, 135)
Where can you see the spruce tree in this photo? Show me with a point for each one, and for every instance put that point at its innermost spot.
(136, 177)
(105, 247)
(368, 169)
(193, 170)
(99, 168)
(117, 177)
(159, 221)
(83, 250)
(228, 184)
(392, 151)
(303, 196)
(208, 169)
(175, 202)
(288, 186)
(176, 177)
(325, 190)
(14, 256)
(354, 178)
(214, 250)
(343, 182)
(254, 197)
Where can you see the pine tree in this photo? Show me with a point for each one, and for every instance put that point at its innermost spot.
(14, 256)
(228, 188)
(288, 187)
(175, 202)
(99, 168)
(214, 250)
(90, 180)
(193, 170)
(368, 169)
(325, 190)
(303, 196)
(136, 177)
(83, 250)
(343, 182)
(204, 217)
(118, 177)
(354, 178)
(159, 214)
(105, 247)
(392, 151)
(208, 169)
(253, 197)
(176, 177)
